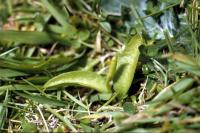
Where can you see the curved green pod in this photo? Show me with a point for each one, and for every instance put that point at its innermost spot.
(85, 79)
(126, 66)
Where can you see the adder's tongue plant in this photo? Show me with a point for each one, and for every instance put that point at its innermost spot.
(99, 66)
(126, 66)
(122, 70)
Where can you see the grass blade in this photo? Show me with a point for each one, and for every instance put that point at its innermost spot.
(59, 15)
(17, 87)
(3, 111)
(64, 120)
(75, 100)
(8, 73)
(28, 37)
(171, 90)
(42, 99)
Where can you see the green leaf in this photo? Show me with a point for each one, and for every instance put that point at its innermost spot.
(189, 96)
(79, 78)
(104, 114)
(8, 73)
(75, 100)
(128, 107)
(59, 16)
(52, 62)
(42, 99)
(106, 26)
(111, 72)
(64, 31)
(28, 37)
(83, 35)
(18, 87)
(113, 7)
(86, 128)
(28, 127)
(100, 97)
(189, 68)
(174, 89)
(38, 79)
(186, 62)
(126, 66)
(64, 119)
(59, 129)
(3, 111)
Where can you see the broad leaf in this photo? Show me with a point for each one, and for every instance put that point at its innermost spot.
(126, 65)
(79, 78)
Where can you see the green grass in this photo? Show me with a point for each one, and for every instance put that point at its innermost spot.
(99, 66)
